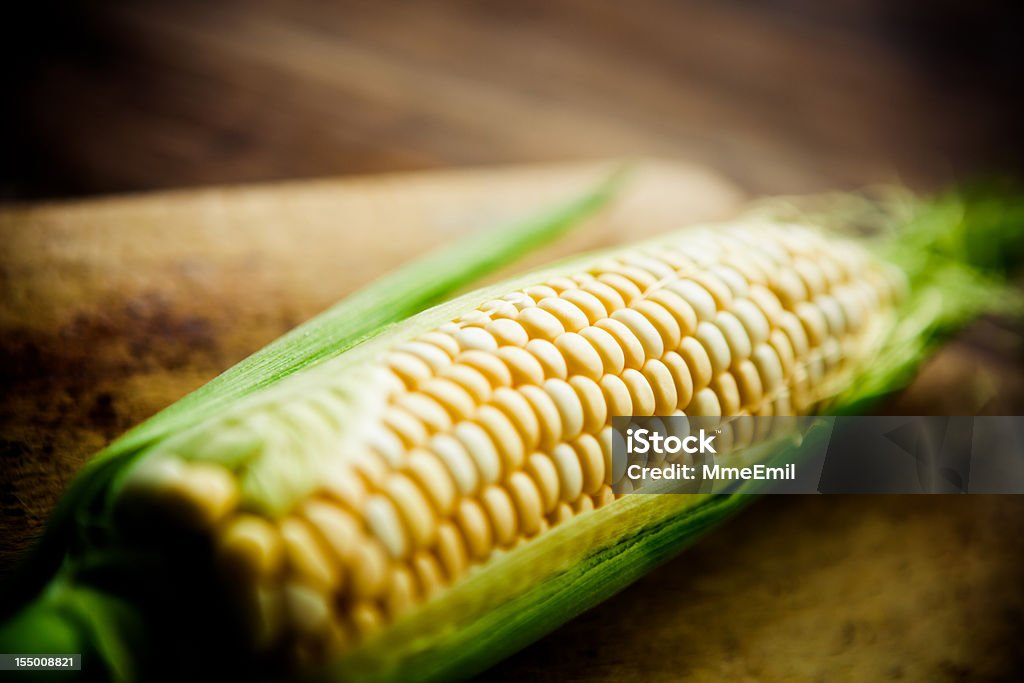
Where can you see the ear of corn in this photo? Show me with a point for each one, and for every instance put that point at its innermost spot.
(441, 494)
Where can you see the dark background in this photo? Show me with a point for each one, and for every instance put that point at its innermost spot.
(781, 95)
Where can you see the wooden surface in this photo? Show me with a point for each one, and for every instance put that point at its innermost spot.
(782, 95)
(112, 309)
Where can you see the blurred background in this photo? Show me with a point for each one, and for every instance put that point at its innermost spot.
(780, 95)
(777, 96)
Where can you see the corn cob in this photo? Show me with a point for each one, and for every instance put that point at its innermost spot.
(347, 495)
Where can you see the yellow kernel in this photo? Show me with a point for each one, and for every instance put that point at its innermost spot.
(753, 321)
(735, 336)
(681, 311)
(605, 440)
(526, 499)
(427, 413)
(409, 429)
(561, 284)
(769, 369)
(813, 321)
(451, 550)
(475, 338)
(540, 324)
(409, 368)
(523, 365)
(681, 378)
(501, 513)
(662, 320)
(428, 574)
(835, 319)
(367, 618)
(518, 410)
(714, 286)
(608, 296)
(624, 287)
(616, 396)
(562, 513)
(251, 546)
(788, 286)
(432, 355)
(520, 300)
(700, 300)
(643, 329)
(568, 405)
(337, 528)
(651, 262)
(542, 470)
(779, 341)
(697, 360)
(711, 338)
(663, 386)
(307, 607)
(508, 332)
(370, 466)
(748, 381)
(583, 504)
(481, 448)
(580, 356)
(550, 358)
(369, 569)
(538, 292)
(471, 380)
(489, 365)
(810, 273)
(640, 393)
(591, 459)
(433, 479)
(595, 410)
(458, 462)
(853, 308)
(569, 315)
(386, 444)
(641, 276)
(632, 349)
(442, 341)
(570, 474)
(604, 496)
(498, 309)
(724, 386)
(612, 359)
(704, 404)
(382, 520)
(504, 436)
(767, 302)
(589, 304)
(306, 555)
(401, 595)
(733, 279)
(548, 419)
(476, 529)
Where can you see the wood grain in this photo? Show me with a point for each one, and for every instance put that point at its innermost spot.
(782, 95)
